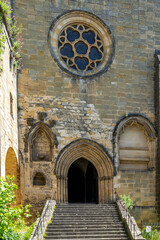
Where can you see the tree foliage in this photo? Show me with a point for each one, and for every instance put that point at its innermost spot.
(10, 214)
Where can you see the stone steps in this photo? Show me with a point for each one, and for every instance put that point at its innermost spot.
(86, 221)
(90, 236)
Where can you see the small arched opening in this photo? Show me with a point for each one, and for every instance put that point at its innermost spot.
(39, 179)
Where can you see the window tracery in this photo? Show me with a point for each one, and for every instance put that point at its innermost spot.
(80, 47)
(81, 43)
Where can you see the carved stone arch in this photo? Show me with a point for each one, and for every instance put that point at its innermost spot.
(149, 132)
(97, 155)
(42, 150)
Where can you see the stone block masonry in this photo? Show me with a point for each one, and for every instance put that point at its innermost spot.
(8, 106)
(87, 108)
(9, 160)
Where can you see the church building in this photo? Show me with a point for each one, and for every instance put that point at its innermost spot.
(87, 103)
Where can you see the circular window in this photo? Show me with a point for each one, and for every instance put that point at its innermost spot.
(81, 43)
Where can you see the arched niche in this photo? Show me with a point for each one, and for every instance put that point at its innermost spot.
(12, 169)
(39, 179)
(134, 144)
(94, 153)
(41, 143)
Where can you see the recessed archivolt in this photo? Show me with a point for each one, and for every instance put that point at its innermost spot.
(89, 150)
(149, 132)
(92, 152)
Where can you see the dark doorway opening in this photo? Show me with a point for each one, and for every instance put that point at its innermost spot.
(82, 182)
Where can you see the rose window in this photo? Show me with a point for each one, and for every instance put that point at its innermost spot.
(80, 47)
(81, 43)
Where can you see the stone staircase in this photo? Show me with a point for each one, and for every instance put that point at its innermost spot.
(86, 221)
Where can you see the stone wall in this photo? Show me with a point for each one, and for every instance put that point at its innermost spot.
(128, 82)
(8, 116)
(69, 119)
(157, 117)
(87, 108)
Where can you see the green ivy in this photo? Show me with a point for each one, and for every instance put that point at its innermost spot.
(15, 32)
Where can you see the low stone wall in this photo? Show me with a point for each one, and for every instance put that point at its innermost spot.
(42, 222)
(129, 221)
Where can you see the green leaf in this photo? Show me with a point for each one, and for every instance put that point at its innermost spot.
(10, 214)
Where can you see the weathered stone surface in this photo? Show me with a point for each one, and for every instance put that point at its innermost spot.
(87, 108)
(8, 113)
(9, 159)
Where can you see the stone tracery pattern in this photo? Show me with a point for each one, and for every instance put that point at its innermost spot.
(137, 124)
(80, 47)
(81, 43)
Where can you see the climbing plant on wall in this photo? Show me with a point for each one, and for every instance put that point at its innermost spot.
(14, 30)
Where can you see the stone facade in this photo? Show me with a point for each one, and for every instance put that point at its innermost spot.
(67, 108)
(8, 110)
(9, 160)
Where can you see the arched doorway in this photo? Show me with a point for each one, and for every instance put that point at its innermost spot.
(93, 153)
(12, 169)
(82, 182)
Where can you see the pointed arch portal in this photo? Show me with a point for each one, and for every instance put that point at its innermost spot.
(76, 155)
(82, 182)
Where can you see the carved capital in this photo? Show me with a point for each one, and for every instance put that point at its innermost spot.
(62, 177)
(105, 178)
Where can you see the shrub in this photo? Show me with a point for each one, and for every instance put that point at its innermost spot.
(28, 233)
(153, 235)
(10, 214)
(128, 201)
(10, 235)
